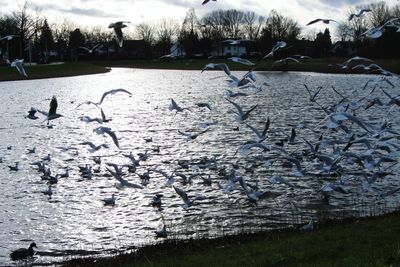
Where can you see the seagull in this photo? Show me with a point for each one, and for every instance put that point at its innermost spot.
(88, 119)
(88, 103)
(113, 91)
(93, 146)
(109, 201)
(242, 61)
(52, 114)
(122, 181)
(359, 14)
(221, 66)
(230, 93)
(31, 114)
(279, 180)
(23, 253)
(117, 26)
(326, 21)
(203, 105)
(14, 168)
(8, 37)
(107, 130)
(206, 1)
(163, 232)
(285, 61)
(48, 192)
(276, 47)
(90, 50)
(313, 95)
(19, 64)
(185, 198)
(241, 115)
(309, 227)
(261, 136)
(192, 136)
(175, 106)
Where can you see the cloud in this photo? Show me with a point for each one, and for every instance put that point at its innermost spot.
(90, 12)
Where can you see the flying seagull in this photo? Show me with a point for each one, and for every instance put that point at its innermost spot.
(326, 21)
(359, 14)
(107, 130)
(113, 91)
(117, 26)
(206, 1)
(19, 64)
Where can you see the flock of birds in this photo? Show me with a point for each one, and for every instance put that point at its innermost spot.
(348, 146)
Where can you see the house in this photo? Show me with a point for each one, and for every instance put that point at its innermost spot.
(177, 50)
(232, 47)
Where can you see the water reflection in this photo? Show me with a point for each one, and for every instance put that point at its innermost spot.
(75, 221)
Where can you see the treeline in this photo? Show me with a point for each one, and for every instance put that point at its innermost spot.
(36, 38)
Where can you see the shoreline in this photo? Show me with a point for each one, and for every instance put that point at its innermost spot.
(210, 252)
(70, 69)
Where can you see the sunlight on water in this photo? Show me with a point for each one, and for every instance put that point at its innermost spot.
(75, 219)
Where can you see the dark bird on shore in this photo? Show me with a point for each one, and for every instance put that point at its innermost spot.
(117, 26)
(326, 21)
(23, 253)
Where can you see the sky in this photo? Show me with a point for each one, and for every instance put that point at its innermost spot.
(103, 12)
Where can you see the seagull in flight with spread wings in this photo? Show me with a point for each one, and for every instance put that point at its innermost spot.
(117, 26)
(113, 91)
(359, 14)
(326, 21)
(107, 130)
(206, 1)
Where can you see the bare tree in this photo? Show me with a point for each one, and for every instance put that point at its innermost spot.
(214, 25)
(191, 22)
(232, 21)
(282, 28)
(252, 24)
(26, 25)
(379, 13)
(167, 30)
(145, 32)
(63, 30)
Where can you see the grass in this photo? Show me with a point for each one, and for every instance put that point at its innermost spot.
(373, 241)
(51, 71)
(325, 65)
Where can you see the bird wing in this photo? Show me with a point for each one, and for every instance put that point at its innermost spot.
(53, 107)
(239, 108)
(313, 21)
(182, 194)
(113, 136)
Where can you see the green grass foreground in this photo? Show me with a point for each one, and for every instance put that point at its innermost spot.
(324, 65)
(373, 241)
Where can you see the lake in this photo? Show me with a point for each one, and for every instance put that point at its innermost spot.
(74, 221)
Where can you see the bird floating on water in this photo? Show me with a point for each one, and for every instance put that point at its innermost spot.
(23, 253)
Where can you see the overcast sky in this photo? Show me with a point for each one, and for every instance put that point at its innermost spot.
(102, 12)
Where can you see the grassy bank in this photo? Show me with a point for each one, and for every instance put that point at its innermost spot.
(326, 65)
(51, 71)
(354, 242)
